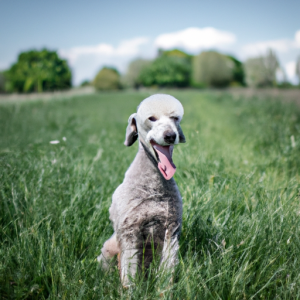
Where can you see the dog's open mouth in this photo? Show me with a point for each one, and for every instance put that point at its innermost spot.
(164, 157)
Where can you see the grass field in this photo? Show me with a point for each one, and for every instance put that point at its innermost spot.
(238, 175)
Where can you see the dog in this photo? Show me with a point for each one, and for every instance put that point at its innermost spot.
(146, 209)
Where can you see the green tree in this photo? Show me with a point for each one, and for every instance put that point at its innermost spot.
(2, 83)
(212, 69)
(174, 53)
(38, 71)
(107, 79)
(261, 71)
(167, 71)
(298, 69)
(85, 82)
(132, 76)
(238, 73)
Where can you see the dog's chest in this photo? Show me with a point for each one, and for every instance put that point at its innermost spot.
(145, 202)
(150, 206)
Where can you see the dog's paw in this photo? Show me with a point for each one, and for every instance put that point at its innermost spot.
(126, 287)
(103, 262)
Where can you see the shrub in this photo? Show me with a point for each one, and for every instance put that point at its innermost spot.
(85, 83)
(175, 53)
(298, 69)
(38, 71)
(212, 69)
(107, 79)
(261, 71)
(132, 77)
(166, 71)
(2, 83)
(238, 74)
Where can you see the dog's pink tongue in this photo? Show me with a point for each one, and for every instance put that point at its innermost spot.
(166, 165)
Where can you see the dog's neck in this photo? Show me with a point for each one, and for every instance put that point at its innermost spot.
(144, 150)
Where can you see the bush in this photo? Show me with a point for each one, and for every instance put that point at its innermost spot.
(298, 69)
(175, 53)
(38, 71)
(238, 74)
(261, 71)
(285, 85)
(167, 71)
(2, 83)
(212, 69)
(85, 83)
(132, 77)
(107, 79)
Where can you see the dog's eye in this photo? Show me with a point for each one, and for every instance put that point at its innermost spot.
(175, 119)
(152, 119)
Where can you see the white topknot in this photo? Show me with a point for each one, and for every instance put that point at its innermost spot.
(163, 103)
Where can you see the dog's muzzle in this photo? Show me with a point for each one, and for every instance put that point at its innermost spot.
(170, 137)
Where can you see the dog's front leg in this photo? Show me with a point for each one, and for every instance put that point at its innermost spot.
(169, 257)
(128, 262)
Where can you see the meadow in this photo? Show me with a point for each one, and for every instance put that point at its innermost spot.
(238, 175)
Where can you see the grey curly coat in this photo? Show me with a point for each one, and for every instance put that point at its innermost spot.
(146, 208)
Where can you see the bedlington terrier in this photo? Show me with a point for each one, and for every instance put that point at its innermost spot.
(146, 209)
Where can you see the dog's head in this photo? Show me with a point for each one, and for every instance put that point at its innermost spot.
(157, 125)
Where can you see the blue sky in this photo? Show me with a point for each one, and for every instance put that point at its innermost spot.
(91, 34)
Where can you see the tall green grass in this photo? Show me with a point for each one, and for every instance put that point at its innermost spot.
(238, 175)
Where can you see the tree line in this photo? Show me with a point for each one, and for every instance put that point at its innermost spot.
(38, 71)
(208, 69)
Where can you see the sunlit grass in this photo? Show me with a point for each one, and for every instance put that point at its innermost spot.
(238, 175)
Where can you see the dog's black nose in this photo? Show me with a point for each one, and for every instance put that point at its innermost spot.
(169, 137)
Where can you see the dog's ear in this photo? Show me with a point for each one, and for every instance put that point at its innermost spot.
(181, 135)
(131, 131)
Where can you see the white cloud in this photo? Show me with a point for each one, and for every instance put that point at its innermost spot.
(125, 48)
(195, 39)
(290, 69)
(131, 47)
(261, 47)
(279, 46)
(297, 38)
(87, 60)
